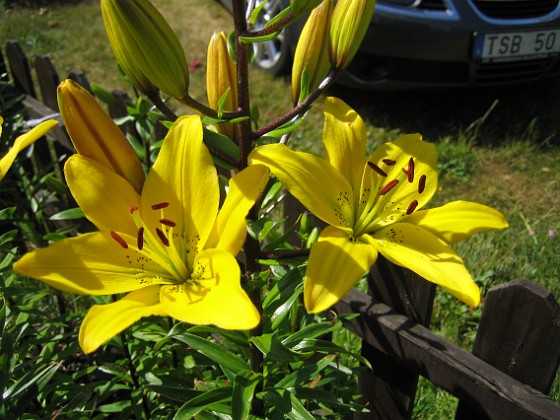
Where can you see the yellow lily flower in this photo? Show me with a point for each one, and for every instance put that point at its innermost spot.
(169, 248)
(22, 142)
(372, 206)
(95, 135)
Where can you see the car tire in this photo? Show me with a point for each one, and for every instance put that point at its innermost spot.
(272, 56)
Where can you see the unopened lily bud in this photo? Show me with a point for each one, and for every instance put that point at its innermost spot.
(350, 21)
(299, 7)
(145, 44)
(221, 79)
(312, 50)
(95, 135)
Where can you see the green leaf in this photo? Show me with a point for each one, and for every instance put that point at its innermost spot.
(282, 296)
(222, 143)
(214, 352)
(7, 213)
(68, 214)
(271, 194)
(287, 405)
(324, 346)
(274, 350)
(310, 331)
(102, 94)
(305, 373)
(213, 399)
(42, 375)
(243, 389)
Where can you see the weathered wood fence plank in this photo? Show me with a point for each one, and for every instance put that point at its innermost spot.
(464, 375)
(518, 334)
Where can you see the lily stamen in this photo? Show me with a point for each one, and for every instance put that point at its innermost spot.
(389, 187)
(119, 239)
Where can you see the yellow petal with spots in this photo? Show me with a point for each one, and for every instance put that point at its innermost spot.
(92, 264)
(419, 250)
(184, 176)
(317, 184)
(213, 295)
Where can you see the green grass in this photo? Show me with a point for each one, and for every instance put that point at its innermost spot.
(507, 158)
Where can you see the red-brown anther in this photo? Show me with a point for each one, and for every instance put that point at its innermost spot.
(162, 237)
(168, 222)
(377, 169)
(389, 187)
(410, 170)
(132, 209)
(421, 184)
(159, 206)
(140, 238)
(411, 207)
(389, 162)
(119, 240)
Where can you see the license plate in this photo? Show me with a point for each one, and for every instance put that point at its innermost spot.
(512, 46)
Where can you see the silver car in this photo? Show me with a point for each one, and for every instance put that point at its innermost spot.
(441, 43)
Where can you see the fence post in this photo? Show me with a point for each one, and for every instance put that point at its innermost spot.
(48, 80)
(519, 333)
(19, 68)
(391, 388)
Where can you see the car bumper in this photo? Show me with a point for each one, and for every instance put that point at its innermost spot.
(435, 49)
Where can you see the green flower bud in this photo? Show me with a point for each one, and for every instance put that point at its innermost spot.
(146, 47)
(350, 21)
(312, 50)
(299, 7)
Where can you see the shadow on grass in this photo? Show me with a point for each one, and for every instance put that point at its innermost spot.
(523, 112)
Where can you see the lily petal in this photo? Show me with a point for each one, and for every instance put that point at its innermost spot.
(344, 137)
(244, 188)
(22, 142)
(93, 264)
(103, 322)
(104, 196)
(313, 181)
(336, 263)
(412, 164)
(430, 257)
(184, 176)
(458, 220)
(216, 298)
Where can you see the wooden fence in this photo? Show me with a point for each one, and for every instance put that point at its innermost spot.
(517, 347)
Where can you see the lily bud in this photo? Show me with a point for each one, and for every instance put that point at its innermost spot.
(299, 7)
(350, 21)
(145, 46)
(95, 135)
(312, 50)
(221, 79)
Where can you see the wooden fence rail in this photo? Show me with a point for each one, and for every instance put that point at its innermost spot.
(517, 347)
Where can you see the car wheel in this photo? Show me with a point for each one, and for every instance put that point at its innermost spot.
(272, 56)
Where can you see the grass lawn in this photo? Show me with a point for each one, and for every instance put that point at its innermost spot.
(508, 158)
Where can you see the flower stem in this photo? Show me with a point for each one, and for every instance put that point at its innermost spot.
(301, 107)
(134, 376)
